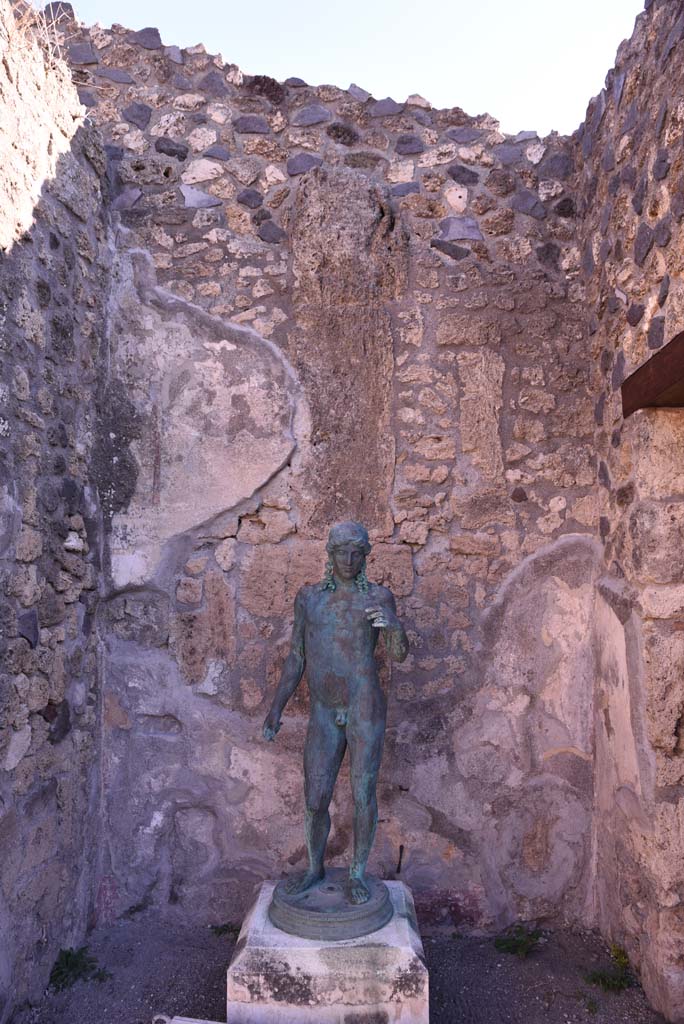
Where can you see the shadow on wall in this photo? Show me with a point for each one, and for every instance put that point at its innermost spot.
(54, 266)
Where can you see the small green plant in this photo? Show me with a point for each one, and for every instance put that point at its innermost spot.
(518, 940)
(591, 1005)
(74, 965)
(225, 929)
(619, 957)
(618, 977)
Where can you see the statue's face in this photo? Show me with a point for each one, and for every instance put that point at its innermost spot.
(348, 560)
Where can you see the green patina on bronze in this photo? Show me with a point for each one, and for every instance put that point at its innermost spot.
(336, 628)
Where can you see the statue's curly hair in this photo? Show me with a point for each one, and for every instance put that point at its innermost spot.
(360, 580)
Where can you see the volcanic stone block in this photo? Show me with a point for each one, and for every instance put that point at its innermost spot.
(218, 152)
(408, 144)
(378, 977)
(464, 135)
(138, 114)
(661, 165)
(463, 175)
(406, 188)
(213, 84)
(271, 232)
(454, 229)
(656, 332)
(385, 108)
(169, 147)
(250, 197)
(83, 53)
(59, 11)
(643, 243)
(525, 201)
(635, 313)
(148, 38)
(313, 114)
(117, 75)
(358, 93)
(508, 154)
(301, 163)
(251, 124)
(558, 165)
(457, 252)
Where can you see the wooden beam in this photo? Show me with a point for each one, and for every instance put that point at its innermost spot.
(659, 382)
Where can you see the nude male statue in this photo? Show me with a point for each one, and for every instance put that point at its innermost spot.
(336, 627)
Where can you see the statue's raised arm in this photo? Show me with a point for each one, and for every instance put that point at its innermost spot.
(383, 615)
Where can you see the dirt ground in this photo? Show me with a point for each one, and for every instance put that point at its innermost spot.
(169, 969)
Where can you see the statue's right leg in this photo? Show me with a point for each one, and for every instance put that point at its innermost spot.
(323, 752)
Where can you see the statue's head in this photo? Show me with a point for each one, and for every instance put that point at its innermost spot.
(347, 547)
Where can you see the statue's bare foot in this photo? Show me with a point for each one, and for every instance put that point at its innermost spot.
(358, 890)
(300, 883)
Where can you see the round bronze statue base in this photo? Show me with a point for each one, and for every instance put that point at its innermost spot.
(325, 912)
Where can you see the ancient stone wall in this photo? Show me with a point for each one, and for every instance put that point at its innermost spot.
(53, 287)
(633, 203)
(316, 305)
(327, 306)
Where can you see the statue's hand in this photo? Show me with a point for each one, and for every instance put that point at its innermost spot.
(272, 724)
(380, 618)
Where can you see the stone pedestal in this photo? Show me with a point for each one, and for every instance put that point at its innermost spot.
(324, 912)
(379, 978)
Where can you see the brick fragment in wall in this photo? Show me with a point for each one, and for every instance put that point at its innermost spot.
(208, 635)
(481, 379)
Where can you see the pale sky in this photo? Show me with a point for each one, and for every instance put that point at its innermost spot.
(532, 64)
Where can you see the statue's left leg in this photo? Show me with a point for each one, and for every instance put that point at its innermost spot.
(365, 737)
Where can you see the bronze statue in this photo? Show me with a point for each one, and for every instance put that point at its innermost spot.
(336, 627)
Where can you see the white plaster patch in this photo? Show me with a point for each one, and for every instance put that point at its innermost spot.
(209, 684)
(18, 746)
(400, 170)
(220, 346)
(535, 152)
(457, 197)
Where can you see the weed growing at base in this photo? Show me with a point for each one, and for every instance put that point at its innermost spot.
(616, 978)
(225, 929)
(519, 940)
(74, 965)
